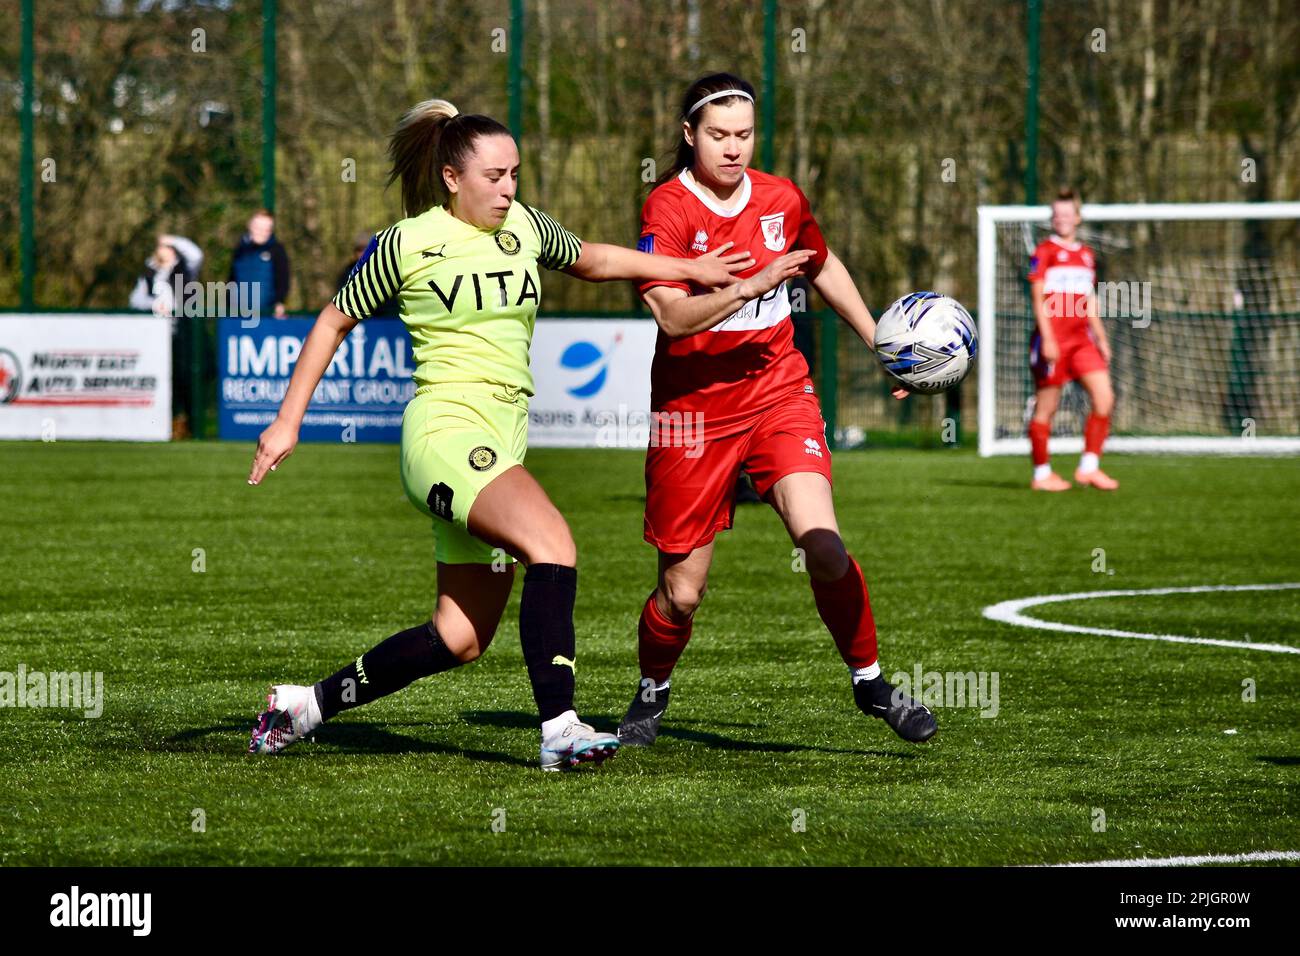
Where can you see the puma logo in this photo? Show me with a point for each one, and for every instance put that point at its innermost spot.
(557, 659)
(432, 253)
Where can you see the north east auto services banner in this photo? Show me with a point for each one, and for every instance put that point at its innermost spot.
(592, 380)
(85, 376)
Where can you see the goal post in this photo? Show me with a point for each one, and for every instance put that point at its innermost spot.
(1201, 303)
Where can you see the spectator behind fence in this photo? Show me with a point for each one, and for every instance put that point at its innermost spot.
(388, 308)
(175, 257)
(175, 260)
(260, 266)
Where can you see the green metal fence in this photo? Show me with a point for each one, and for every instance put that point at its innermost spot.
(897, 119)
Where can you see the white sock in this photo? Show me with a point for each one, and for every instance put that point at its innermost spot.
(1088, 461)
(313, 708)
(1041, 472)
(556, 724)
(870, 672)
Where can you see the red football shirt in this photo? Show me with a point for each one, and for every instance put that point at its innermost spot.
(747, 363)
(1069, 276)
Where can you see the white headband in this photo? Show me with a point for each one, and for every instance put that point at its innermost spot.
(717, 96)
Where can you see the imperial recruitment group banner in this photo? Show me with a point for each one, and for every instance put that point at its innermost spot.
(591, 378)
(360, 397)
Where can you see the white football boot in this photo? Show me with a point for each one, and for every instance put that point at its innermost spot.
(573, 743)
(291, 714)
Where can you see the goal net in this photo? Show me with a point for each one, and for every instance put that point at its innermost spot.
(1201, 305)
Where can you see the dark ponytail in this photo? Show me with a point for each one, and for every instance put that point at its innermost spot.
(429, 136)
(684, 152)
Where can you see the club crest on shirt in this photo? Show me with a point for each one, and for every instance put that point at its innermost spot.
(773, 228)
(507, 242)
(482, 458)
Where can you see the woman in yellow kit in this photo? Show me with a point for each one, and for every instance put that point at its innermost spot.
(463, 265)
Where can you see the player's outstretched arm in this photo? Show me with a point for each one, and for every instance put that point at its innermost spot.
(841, 294)
(600, 262)
(679, 314)
(279, 438)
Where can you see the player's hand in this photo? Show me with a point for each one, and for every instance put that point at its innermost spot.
(713, 270)
(1049, 351)
(274, 445)
(774, 273)
(899, 392)
(1104, 349)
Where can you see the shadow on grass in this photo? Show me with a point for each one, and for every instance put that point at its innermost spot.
(967, 483)
(517, 719)
(365, 738)
(1281, 761)
(345, 738)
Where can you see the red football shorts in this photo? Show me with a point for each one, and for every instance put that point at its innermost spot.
(691, 487)
(1079, 356)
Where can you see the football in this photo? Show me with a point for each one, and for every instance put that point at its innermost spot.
(926, 341)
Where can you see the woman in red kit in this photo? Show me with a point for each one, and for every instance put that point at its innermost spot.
(730, 391)
(1069, 342)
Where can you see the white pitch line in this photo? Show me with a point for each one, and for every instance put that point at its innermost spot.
(1009, 613)
(1260, 856)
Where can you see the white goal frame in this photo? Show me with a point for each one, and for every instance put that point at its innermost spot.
(990, 216)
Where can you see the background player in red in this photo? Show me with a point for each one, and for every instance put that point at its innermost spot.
(731, 391)
(1069, 343)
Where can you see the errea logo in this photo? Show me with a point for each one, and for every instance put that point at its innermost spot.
(812, 447)
(701, 243)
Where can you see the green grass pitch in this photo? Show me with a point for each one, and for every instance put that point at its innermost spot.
(327, 558)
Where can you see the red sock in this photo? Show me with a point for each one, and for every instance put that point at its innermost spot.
(1039, 432)
(845, 609)
(659, 642)
(1095, 430)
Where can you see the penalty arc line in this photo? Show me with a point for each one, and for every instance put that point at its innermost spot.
(1009, 612)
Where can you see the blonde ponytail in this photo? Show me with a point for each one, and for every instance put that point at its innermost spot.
(429, 136)
(413, 151)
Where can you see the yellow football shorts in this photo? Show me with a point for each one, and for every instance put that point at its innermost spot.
(456, 438)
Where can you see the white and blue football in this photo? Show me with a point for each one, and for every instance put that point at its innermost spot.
(926, 341)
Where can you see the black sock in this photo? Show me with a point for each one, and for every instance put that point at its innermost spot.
(546, 633)
(385, 668)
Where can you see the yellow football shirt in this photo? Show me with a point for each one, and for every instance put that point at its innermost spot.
(468, 296)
